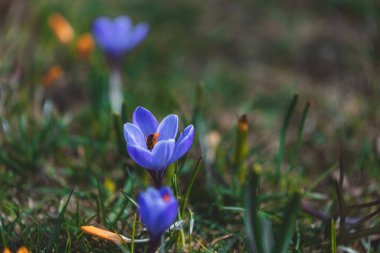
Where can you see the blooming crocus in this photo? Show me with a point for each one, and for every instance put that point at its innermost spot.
(118, 36)
(158, 210)
(152, 145)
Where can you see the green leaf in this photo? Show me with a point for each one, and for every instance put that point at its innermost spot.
(130, 199)
(251, 203)
(58, 225)
(333, 236)
(265, 235)
(118, 127)
(299, 134)
(190, 185)
(283, 133)
(100, 199)
(287, 226)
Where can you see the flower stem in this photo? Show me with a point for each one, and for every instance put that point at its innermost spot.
(153, 244)
(115, 91)
(158, 177)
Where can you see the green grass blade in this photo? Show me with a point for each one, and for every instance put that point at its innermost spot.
(191, 227)
(299, 134)
(333, 236)
(251, 203)
(130, 199)
(101, 213)
(58, 225)
(288, 223)
(124, 112)
(265, 235)
(118, 127)
(188, 189)
(283, 133)
(133, 234)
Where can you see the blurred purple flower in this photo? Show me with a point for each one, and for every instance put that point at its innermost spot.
(158, 210)
(152, 145)
(118, 36)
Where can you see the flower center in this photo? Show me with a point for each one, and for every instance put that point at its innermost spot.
(166, 197)
(152, 140)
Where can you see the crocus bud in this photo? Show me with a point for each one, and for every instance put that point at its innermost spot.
(158, 210)
(61, 28)
(241, 148)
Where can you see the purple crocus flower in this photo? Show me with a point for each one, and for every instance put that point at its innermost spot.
(152, 145)
(158, 210)
(118, 36)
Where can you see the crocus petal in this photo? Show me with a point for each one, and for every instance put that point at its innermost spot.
(139, 34)
(143, 208)
(123, 31)
(166, 217)
(141, 156)
(162, 153)
(168, 127)
(165, 191)
(102, 29)
(145, 120)
(133, 135)
(184, 143)
(147, 202)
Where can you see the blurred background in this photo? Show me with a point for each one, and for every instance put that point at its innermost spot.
(251, 56)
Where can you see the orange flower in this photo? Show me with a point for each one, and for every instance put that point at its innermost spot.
(52, 75)
(22, 249)
(61, 28)
(85, 45)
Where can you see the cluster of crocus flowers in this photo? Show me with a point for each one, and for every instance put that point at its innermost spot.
(153, 145)
(116, 37)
